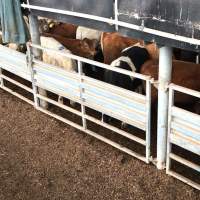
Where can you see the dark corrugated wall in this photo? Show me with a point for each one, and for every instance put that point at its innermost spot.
(180, 17)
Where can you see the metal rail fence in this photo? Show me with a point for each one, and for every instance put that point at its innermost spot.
(16, 63)
(183, 131)
(126, 106)
(123, 105)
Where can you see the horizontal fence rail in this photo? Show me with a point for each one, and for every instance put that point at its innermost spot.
(115, 22)
(16, 63)
(126, 106)
(184, 132)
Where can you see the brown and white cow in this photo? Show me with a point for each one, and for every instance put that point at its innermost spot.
(113, 44)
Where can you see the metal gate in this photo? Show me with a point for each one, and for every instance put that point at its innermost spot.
(184, 132)
(123, 105)
(16, 63)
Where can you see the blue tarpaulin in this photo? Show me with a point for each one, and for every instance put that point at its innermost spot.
(14, 29)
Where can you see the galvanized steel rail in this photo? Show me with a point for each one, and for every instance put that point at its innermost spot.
(183, 131)
(127, 106)
(115, 22)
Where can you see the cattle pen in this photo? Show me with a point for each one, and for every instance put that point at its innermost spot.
(153, 21)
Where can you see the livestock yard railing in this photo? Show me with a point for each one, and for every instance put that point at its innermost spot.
(16, 63)
(126, 106)
(123, 105)
(184, 132)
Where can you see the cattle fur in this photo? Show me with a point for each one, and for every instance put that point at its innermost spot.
(131, 59)
(83, 32)
(56, 59)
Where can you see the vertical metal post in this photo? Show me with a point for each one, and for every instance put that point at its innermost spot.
(171, 103)
(1, 79)
(197, 59)
(116, 14)
(30, 65)
(148, 124)
(80, 72)
(165, 71)
(35, 37)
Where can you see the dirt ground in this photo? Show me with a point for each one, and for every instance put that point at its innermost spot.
(44, 159)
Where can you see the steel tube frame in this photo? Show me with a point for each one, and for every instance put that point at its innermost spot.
(38, 96)
(165, 71)
(30, 65)
(172, 156)
(169, 146)
(116, 14)
(80, 72)
(115, 22)
(92, 62)
(148, 123)
(35, 37)
(1, 79)
(85, 117)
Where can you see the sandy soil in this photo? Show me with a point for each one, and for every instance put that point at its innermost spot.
(44, 159)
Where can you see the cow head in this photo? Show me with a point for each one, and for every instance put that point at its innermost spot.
(45, 25)
(138, 55)
(131, 59)
(89, 47)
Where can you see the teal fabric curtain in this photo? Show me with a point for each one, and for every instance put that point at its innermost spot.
(13, 26)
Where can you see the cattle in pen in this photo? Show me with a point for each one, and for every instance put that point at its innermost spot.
(64, 30)
(17, 47)
(131, 59)
(69, 30)
(113, 44)
(57, 60)
(85, 48)
(185, 74)
(84, 32)
(185, 55)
